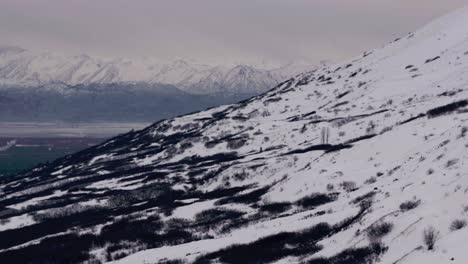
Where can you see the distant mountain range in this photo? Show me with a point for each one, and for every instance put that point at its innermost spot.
(47, 86)
(27, 68)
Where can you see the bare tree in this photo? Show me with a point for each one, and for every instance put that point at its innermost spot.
(325, 135)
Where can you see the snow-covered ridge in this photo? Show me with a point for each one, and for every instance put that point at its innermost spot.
(27, 68)
(361, 162)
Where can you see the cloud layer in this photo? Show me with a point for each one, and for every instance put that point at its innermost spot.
(242, 30)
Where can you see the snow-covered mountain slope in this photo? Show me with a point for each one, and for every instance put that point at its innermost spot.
(27, 68)
(360, 162)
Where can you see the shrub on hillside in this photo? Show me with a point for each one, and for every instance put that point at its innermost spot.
(464, 131)
(215, 218)
(430, 236)
(365, 201)
(240, 176)
(450, 163)
(371, 180)
(457, 224)
(446, 109)
(174, 261)
(271, 248)
(276, 208)
(4, 221)
(409, 205)
(315, 200)
(349, 186)
(60, 212)
(378, 230)
(365, 255)
(236, 143)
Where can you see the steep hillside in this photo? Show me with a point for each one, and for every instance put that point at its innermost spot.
(360, 162)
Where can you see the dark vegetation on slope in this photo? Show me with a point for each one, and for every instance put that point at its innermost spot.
(412, 119)
(74, 248)
(276, 208)
(315, 200)
(147, 233)
(432, 59)
(281, 245)
(322, 147)
(247, 198)
(273, 247)
(364, 255)
(365, 137)
(446, 109)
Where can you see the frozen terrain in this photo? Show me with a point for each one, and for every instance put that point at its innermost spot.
(360, 162)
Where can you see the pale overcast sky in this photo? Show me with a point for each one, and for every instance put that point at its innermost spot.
(242, 30)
